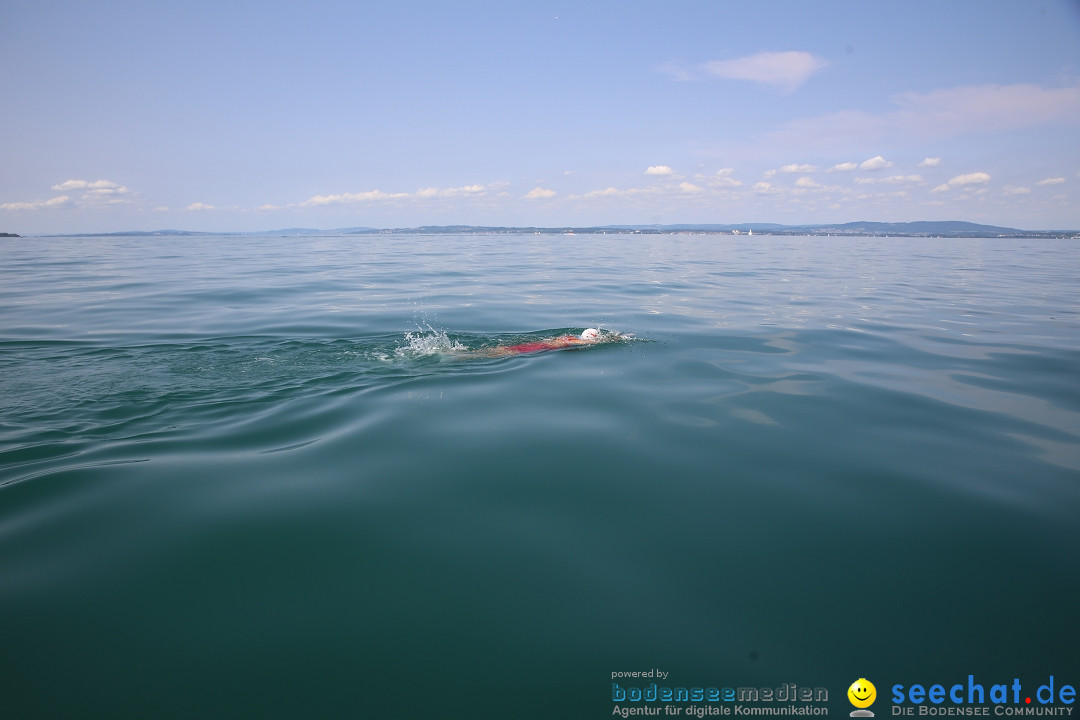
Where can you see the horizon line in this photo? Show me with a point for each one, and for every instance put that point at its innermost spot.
(924, 227)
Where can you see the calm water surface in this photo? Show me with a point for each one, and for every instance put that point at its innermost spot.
(269, 477)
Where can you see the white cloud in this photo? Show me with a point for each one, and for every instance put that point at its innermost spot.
(892, 179)
(371, 196)
(97, 192)
(1009, 190)
(69, 185)
(844, 167)
(930, 162)
(1051, 181)
(718, 185)
(790, 168)
(434, 192)
(606, 192)
(762, 187)
(628, 192)
(200, 206)
(976, 178)
(875, 163)
(806, 182)
(659, 170)
(784, 70)
(351, 198)
(106, 192)
(60, 201)
(539, 193)
(723, 179)
(97, 188)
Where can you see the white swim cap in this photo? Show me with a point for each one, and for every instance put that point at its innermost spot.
(590, 334)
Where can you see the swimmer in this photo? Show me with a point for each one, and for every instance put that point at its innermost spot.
(589, 336)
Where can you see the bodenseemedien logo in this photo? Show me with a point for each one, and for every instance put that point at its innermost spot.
(862, 694)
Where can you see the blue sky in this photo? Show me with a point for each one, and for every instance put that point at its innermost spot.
(238, 115)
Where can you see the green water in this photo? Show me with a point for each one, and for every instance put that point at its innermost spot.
(250, 477)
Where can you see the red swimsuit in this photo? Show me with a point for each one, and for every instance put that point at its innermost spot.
(529, 347)
(538, 345)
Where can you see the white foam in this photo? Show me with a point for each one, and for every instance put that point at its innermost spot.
(425, 344)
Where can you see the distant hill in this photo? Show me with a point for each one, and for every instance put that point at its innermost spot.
(9, 235)
(707, 227)
(954, 228)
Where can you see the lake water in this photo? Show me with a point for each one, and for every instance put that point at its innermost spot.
(275, 477)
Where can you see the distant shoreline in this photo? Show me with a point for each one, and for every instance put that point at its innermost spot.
(929, 229)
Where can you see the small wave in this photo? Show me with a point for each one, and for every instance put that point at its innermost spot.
(70, 468)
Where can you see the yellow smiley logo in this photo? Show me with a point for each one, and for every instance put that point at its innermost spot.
(862, 693)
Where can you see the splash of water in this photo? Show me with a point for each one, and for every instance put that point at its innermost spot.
(426, 344)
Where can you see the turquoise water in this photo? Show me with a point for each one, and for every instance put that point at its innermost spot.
(275, 477)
